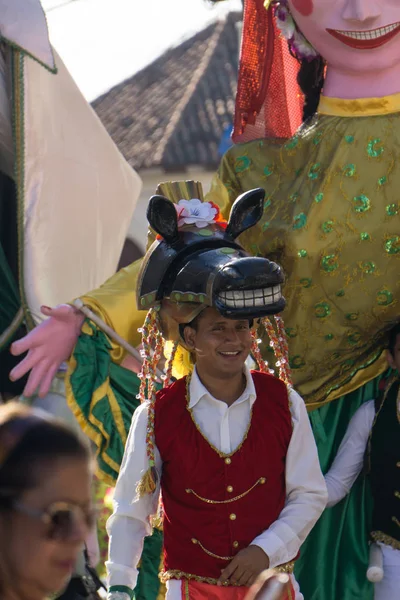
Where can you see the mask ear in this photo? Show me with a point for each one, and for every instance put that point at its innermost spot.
(246, 211)
(161, 214)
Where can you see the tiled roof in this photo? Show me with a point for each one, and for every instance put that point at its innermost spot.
(173, 113)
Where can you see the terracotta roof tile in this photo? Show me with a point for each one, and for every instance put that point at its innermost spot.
(173, 113)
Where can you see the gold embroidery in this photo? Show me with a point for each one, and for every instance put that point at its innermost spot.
(395, 520)
(186, 584)
(260, 481)
(165, 576)
(379, 536)
(397, 494)
(221, 454)
(194, 541)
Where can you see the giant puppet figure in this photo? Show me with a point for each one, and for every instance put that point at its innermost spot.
(66, 193)
(331, 219)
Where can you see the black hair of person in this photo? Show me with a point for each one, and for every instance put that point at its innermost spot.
(393, 333)
(311, 79)
(45, 441)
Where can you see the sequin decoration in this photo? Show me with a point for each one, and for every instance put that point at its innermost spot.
(368, 267)
(347, 364)
(382, 180)
(352, 316)
(349, 138)
(267, 203)
(329, 337)
(314, 171)
(349, 170)
(364, 236)
(291, 332)
(374, 149)
(292, 143)
(268, 171)
(306, 282)
(340, 293)
(354, 338)
(302, 253)
(392, 245)
(317, 138)
(361, 203)
(322, 310)
(384, 298)
(265, 225)
(299, 221)
(327, 226)
(319, 197)
(296, 362)
(329, 263)
(392, 210)
(242, 163)
(293, 197)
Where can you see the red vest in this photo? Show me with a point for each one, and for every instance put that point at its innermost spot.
(216, 504)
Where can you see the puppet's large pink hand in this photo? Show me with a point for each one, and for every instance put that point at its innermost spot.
(48, 346)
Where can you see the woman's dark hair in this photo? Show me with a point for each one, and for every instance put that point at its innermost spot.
(393, 333)
(311, 79)
(28, 440)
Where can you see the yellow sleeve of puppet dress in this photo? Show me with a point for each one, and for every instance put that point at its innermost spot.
(223, 191)
(115, 303)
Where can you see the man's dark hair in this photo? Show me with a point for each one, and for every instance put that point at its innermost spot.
(195, 323)
(393, 333)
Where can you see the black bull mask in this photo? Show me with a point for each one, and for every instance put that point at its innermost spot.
(191, 268)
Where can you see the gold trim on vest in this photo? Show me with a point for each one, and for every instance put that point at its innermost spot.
(260, 481)
(194, 541)
(165, 576)
(379, 536)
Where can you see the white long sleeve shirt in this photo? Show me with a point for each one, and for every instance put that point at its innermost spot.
(224, 426)
(350, 457)
(348, 465)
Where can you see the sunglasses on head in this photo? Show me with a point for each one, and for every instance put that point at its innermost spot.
(61, 519)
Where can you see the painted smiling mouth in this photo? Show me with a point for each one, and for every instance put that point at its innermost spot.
(251, 298)
(364, 40)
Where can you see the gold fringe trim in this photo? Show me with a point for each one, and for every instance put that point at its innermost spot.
(147, 484)
(379, 536)
(165, 576)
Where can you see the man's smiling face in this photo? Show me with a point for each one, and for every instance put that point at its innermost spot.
(221, 346)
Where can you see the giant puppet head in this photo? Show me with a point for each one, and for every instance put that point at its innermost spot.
(357, 36)
(290, 41)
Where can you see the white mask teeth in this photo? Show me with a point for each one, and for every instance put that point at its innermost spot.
(251, 298)
(369, 35)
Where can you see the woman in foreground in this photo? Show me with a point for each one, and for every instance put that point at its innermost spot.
(45, 503)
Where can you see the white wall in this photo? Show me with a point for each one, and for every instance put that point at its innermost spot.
(151, 178)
